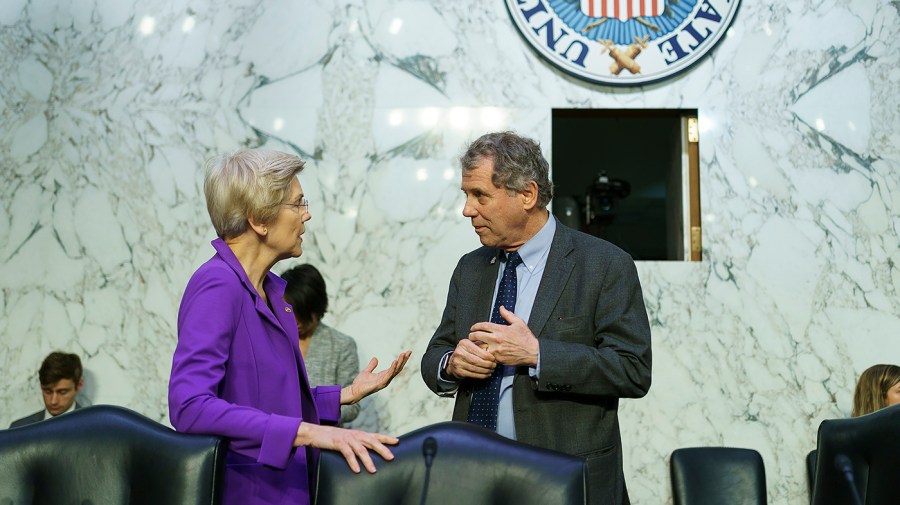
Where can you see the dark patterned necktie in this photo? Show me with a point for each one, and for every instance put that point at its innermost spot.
(486, 394)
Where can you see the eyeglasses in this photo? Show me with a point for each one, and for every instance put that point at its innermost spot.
(303, 203)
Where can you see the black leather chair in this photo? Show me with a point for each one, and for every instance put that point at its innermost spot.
(718, 476)
(108, 455)
(471, 466)
(871, 444)
(811, 471)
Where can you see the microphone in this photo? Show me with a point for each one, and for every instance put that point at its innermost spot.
(429, 449)
(843, 465)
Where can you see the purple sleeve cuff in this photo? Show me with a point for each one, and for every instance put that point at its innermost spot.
(278, 441)
(328, 403)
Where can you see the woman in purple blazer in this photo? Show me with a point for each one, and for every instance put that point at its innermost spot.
(237, 370)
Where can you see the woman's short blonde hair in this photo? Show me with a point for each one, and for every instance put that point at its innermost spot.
(872, 388)
(247, 184)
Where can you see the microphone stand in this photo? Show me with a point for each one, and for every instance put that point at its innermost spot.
(429, 449)
(843, 464)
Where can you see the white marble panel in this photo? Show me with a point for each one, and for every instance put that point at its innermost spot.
(112, 107)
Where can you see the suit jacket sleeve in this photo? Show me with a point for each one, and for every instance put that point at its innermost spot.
(445, 338)
(328, 404)
(208, 319)
(604, 348)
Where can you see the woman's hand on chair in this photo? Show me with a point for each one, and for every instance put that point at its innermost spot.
(353, 444)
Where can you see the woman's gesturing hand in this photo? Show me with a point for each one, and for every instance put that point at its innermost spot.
(368, 382)
(353, 444)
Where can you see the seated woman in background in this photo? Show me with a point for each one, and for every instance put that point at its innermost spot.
(878, 387)
(329, 355)
(237, 371)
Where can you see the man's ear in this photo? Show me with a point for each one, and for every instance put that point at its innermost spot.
(79, 385)
(529, 196)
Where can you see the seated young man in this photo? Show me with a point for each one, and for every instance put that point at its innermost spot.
(61, 381)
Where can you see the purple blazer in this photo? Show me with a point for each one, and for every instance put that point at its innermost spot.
(238, 373)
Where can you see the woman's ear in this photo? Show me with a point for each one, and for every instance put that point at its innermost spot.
(261, 229)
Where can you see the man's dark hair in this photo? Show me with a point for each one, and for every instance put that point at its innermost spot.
(305, 291)
(517, 160)
(58, 366)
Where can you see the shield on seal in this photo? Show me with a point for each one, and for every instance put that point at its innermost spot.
(623, 10)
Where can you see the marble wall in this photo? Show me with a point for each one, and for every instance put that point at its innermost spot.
(109, 109)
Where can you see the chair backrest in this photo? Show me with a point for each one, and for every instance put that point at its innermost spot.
(109, 455)
(471, 465)
(872, 445)
(811, 471)
(717, 476)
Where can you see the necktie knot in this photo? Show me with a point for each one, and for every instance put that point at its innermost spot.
(513, 259)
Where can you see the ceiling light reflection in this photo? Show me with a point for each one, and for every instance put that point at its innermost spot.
(459, 117)
(429, 116)
(492, 118)
(188, 24)
(396, 25)
(395, 117)
(147, 25)
(705, 124)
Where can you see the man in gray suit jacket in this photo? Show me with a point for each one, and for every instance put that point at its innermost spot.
(578, 338)
(61, 381)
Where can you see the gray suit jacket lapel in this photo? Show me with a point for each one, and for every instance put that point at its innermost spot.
(484, 296)
(556, 275)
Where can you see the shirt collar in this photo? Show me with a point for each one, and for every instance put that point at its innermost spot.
(538, 246)
(48, 415)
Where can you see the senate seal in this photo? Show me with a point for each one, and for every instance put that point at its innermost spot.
(622, 42)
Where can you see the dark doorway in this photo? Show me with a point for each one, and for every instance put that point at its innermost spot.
(623, 175)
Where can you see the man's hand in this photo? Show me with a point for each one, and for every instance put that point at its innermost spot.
(512, 345)
(469, 361)
(353, 444)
